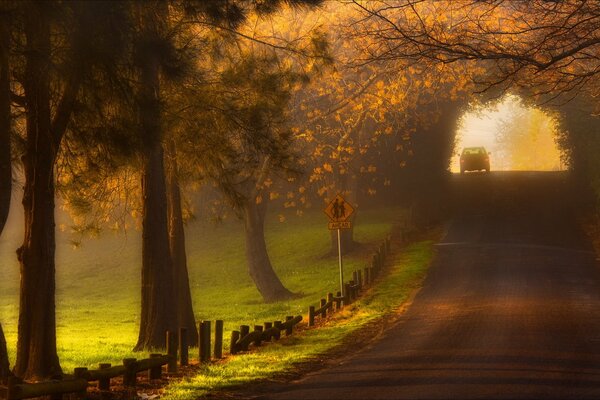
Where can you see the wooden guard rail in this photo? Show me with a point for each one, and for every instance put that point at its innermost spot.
(79, 381)
(360, 279)
(242, 339)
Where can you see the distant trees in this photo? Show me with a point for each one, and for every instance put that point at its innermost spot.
(528, 139)
(579, 138)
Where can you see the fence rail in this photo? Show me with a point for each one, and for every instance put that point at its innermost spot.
(242, 339)
(16, 389)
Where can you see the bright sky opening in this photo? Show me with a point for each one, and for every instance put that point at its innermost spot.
(518, 137)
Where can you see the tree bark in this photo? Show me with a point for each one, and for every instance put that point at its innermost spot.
(36, 348)
(5, 156)
(259, 265)
(181, 282)
(158, 308)
(4, 365)
(5, 121)
(158, 312)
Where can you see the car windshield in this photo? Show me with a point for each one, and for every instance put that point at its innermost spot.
(474, 150)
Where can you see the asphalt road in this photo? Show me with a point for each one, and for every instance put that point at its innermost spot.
(510, 308)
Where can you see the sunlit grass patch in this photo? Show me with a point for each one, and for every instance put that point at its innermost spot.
(98, 285)
(406, 274)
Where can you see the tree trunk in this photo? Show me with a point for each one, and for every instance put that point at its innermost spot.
(5, 122)
(36, 347)
(181, 282)
(158, 312)
(5, 156)
(4, 365)
(259, 265)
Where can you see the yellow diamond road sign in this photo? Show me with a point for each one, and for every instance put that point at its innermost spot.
(339, 210)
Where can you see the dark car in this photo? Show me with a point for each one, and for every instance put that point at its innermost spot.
(474, 159)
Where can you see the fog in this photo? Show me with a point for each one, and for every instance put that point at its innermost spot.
(519, 137)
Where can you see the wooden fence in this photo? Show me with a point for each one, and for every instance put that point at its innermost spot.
(242, 339)
(78, 383)
(177, 345)
(361, 279)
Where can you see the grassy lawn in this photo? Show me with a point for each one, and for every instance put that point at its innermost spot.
(98, 291)
(406, 274)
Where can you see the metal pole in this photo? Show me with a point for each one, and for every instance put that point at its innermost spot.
(341, 265)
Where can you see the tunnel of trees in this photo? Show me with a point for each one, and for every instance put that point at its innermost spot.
(117, 108)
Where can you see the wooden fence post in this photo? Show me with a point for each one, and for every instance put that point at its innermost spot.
(290, 329)
(183, 347)
(80, 373)
(258, 340)
(56, 396)
(360, 279)
(205, 342)
(13, 381)
(277, 324)
(129, 375)
(330, 302)
(311, 316)
(155, 372)
(219, 339)
(104, 383)
(347, 297)
(338, 301)
(244, 330)
(235, 336)
(367, 281)
(269, 325)
(172, 352)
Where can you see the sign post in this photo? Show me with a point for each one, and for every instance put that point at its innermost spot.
(338, 211)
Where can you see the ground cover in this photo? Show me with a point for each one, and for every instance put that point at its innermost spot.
(98, 283)
(406, 270)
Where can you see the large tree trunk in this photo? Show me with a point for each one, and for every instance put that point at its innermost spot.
(158, 311)
(36, 347)
(5, 121)
(158, 308)
(5, 155)
(181, 282)
(4, 365)
(259, 265)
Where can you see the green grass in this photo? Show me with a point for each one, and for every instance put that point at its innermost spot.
(98, 292)
(405, 275)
